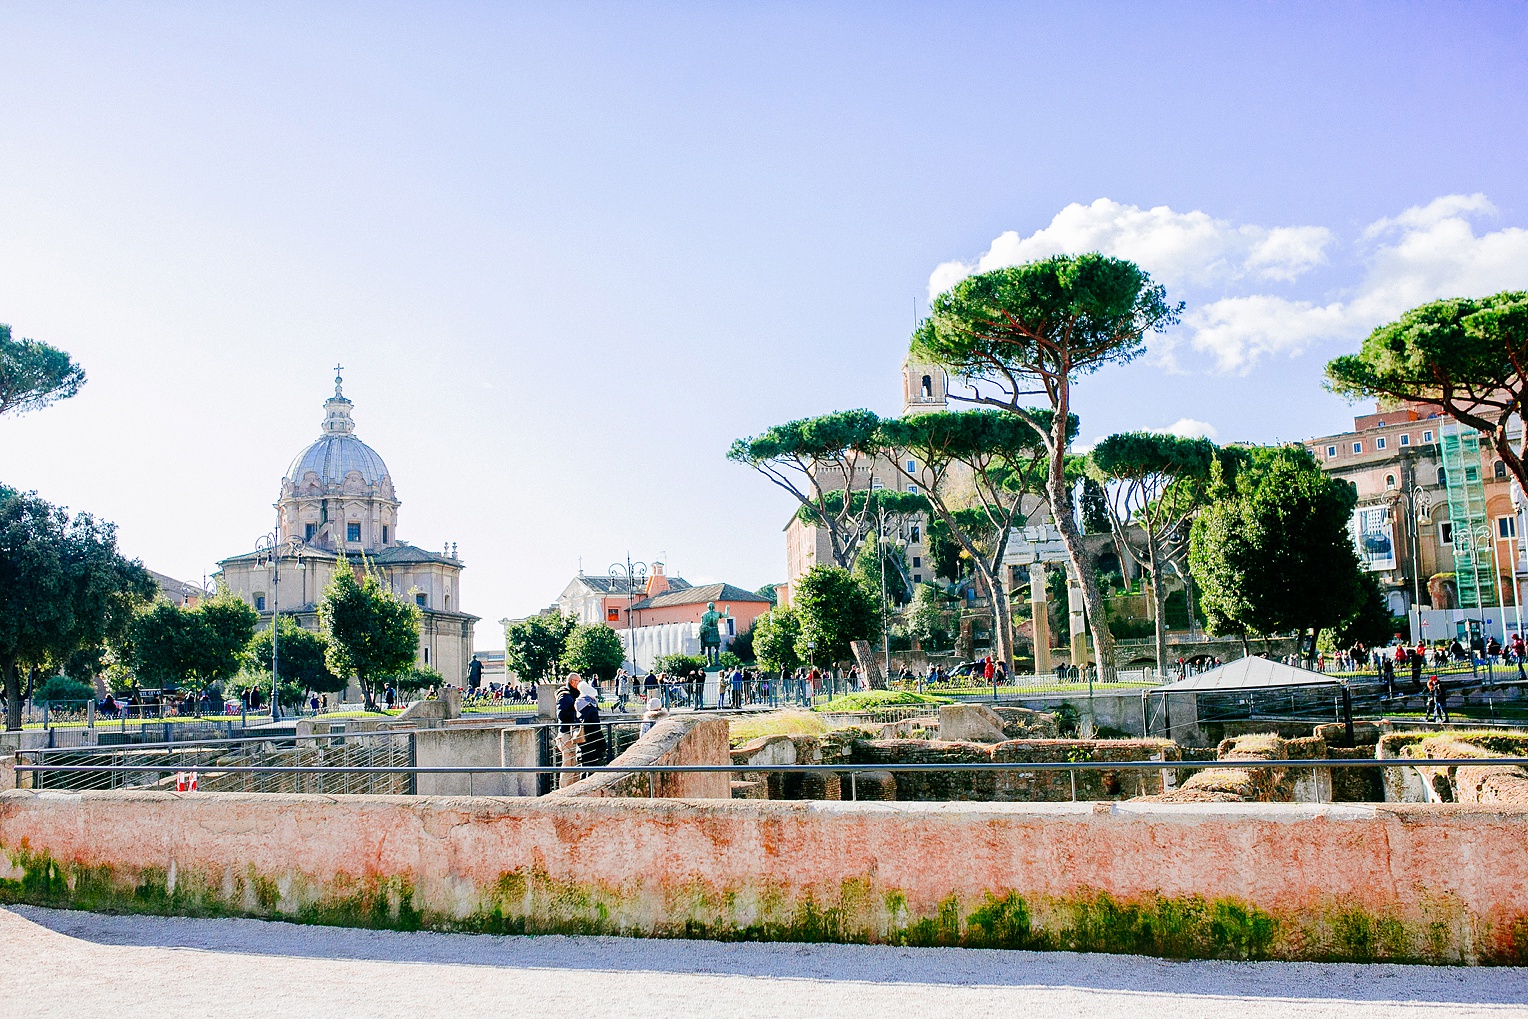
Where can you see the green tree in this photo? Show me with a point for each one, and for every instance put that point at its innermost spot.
(867, 567)
(63, 587)
(1037, 328)
(944, 552)
(594, 649)
(302, 656)
(1000, 459)
(774, 640)
(33, 374)
(814, 459)
(771, 592)
(931, 620)
(835, 611)
(195, 649)
(532, 647)
(1095, 508)
(372, 633)
(1272, 552)
(1155, 485)
(1467, 357)
(742, 645)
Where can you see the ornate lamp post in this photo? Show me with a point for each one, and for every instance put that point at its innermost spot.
(1419, 511)
(269, 552)
(631, 573)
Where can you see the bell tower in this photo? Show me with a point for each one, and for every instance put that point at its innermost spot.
(925, 387)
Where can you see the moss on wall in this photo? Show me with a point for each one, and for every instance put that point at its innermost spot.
(859, 910)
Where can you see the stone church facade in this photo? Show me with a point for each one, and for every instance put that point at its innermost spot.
(337, 501)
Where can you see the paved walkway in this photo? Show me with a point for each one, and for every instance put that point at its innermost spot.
(82, 964)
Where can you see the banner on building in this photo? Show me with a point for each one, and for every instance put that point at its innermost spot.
(1374, 537)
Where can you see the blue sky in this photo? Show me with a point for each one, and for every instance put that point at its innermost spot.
(568, 252)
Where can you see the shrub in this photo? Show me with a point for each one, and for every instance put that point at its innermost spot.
(870, 699)
(62, 688)
(679, 665)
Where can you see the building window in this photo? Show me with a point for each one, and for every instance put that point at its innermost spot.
(384, 534)
(1379, 443)
(1331, 452)
(612, 615)
(912, 534)
(911, 466)
(427, 656)
(1499, 469)
(1389, 480)
(917, 561)
(1506, 527)
(1405, 438)
(1427, 436)
(917, 578)
(876, 484)
(1442, 476)
(912, 489)
(1446, 532)
(352, 531)
(308, 530)
(259, 603)
(421, 599)
(928, 387)
(1358, 447)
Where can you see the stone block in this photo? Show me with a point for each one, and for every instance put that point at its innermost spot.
(970, 723)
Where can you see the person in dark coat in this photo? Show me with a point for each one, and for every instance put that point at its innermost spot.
(591, 751)
(568, 734)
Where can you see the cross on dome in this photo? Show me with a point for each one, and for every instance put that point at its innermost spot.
(338, 380)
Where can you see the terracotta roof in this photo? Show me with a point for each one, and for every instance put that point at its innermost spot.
(700, 595)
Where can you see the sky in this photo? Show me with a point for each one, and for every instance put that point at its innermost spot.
(568, 252)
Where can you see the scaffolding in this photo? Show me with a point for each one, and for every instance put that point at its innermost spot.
(1474, 572)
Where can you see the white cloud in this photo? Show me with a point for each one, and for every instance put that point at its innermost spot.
(1177, 248)
(1424, 253)
(1188, 428)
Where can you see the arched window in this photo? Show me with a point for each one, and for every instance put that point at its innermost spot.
(1499, 469)
(1389, 480)
(928, 387)
(1442, 476)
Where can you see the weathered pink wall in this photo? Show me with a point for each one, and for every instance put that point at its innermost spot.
(1442, 883)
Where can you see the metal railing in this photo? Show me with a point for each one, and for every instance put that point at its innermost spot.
(221, 770)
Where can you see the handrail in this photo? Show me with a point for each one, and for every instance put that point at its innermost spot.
(921, 766)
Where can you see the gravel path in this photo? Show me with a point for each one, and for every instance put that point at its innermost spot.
(82, 964)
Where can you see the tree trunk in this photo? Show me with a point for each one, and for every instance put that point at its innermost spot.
(1076, 550)
(1157, 601)
(869, 664)
(12, 694)
(1002, 635)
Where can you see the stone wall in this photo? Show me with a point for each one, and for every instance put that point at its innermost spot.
(1285, 881)
(488, 746)
(675, 740)
(1017, 785)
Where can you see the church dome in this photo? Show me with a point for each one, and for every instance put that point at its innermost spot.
(333, 457)
(337, 453)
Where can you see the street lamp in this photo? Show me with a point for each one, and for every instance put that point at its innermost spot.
(268, 552)
(1418, 510)
(630, 573)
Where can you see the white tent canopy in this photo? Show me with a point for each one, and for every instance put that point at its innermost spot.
(1249, 674)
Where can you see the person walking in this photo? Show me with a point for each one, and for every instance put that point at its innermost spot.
(737, 686)
(568, 732)
(622, 689)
